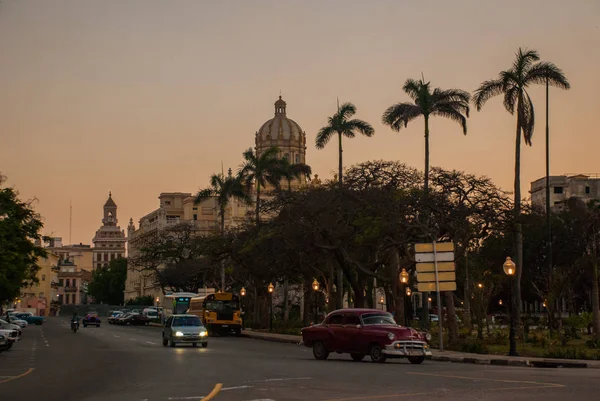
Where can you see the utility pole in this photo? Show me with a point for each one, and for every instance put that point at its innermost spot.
(548, 214)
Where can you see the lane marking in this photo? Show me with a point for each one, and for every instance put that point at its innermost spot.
(214, 392)
(150, 342)
(486, 379)
(376, 397)
(116, 336)
(18, 377)
(235, 388)
(281, 379)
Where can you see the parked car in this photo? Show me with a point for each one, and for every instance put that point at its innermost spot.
(361, 332)
(122, 320)
(114, 317)
(91, 319)
(9, 326)
(184, 329)
(3, 342)
(11, 335)
(137, 320)
(15, 320)
(30, 318)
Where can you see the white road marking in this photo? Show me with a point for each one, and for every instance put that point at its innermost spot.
(282, 379)
(150, 342)
(235, 388)
(116, 336)
(262, 399)
(187, 398)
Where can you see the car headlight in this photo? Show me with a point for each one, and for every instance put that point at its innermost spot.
(203, 334)
(391, 336)
(179, 334)
(428, 336)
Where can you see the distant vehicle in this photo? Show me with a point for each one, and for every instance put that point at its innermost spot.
(74, 325)
(133, 319)
(91, 319)
(19, 322)
(219, 312)
(30, 318)
(184, 329)
(12, 337)
(114, 317)
(362, 332)
(3, 343)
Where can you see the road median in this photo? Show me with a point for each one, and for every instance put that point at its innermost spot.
(454, 357)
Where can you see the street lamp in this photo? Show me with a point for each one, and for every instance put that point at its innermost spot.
(408, 291)
(381, 301)
(500, 302)
(404, 276)
(480, 285)
(242, 294)
(315, 287)
(509, 269)
(271, 288)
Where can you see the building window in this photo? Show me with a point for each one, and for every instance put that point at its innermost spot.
(195, 217)
(286, 156)
(167, 202)
(106, 257)
(297, 159)
(98, 266)
(43, 277)
(558, 190)
(60, 282)
(194, 208)
(587, 189)
(68, 283)
(99, 257)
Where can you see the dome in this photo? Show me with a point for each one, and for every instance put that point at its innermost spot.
(280, 127)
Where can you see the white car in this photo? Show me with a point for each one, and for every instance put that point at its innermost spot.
(11, 335)
(21, 323)
(4, 325)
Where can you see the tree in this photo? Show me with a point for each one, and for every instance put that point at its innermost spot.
(20, 229)
(108, 283)
(260, 171)
(224, 189)
(450, 103)
(512, 84)
(290, 171)
(340, 124)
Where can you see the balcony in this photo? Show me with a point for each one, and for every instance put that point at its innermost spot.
(55, 269)
(54, 284)
(71, 289)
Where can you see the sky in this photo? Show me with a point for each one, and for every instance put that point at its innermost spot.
(140, 97)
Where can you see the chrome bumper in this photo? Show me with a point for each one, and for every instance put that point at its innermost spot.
(407, 348)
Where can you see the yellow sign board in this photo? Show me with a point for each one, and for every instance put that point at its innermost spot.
(439, 247)
(430, 267)
(430, 277)
(430, 287)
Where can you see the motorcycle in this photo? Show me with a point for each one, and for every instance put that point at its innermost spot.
(74, 326)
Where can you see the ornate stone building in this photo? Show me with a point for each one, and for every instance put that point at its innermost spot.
(109, 241)
(285, 134)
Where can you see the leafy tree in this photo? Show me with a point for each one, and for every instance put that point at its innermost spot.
(224, 189)
(260, 171)
(512, 84)
(450, 103)
(340, 124)
(20, 229)
(290, 171)
(108, 283)
(144, 300)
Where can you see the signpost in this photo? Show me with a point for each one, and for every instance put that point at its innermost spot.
(436, 273)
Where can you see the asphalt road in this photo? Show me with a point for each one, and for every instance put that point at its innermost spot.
(114, 363)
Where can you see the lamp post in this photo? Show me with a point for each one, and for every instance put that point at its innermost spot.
(381, 301)
(406, 309)
(271, 288)
(315, 287)
(510, 269)
(243, 294)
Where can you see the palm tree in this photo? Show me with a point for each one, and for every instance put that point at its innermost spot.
(449, 103)
(340, 124)
(291, 171)
(512, 84)
(224, 189)
(261, 170)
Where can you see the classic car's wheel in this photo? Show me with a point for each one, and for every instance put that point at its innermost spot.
(165, 341)
(204, 345)
(319, 351)
(171, 343)
(238, 332)
(376, 354)
(357, 357)
(415, 360)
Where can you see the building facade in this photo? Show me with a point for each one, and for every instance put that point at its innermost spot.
(285, 134)
(72, 283)
(80, 254)
(562, 187)
(40, 296)
(109, 241)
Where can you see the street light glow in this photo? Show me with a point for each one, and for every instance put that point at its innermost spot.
(381, 300)
(479, 285)
(315, 285)
(404, 276)
(271, 288)
(509, 267)
(243, 292)
(408, 291)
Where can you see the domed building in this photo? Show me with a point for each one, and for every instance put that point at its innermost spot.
(286, 135)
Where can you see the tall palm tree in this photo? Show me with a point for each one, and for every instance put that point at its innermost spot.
(449, 103)
(291, 171)
(261, 170)
(512, 84)
(224, 189)
(340, 124)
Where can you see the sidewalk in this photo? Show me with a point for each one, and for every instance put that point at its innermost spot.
(456, 357)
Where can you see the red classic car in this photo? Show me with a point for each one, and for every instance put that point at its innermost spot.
(366, 331)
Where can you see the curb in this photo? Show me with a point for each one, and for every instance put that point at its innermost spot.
(271, 339)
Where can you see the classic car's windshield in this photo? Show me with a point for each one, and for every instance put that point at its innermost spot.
(378, 318)
(187, 322)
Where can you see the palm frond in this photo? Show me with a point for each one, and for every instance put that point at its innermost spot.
(216, 181)
(524, 59)
(527, 118)
(545, 70)
(400, 115)
(510, 98)
(452, 114)
(346, 111)
(413, 88)
(451, 95)
(203, 195)
(460, 106)
(323, 136)
(360, 126)
(270, 154)
(486, 91)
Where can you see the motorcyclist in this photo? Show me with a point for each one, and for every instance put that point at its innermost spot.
(75, 319)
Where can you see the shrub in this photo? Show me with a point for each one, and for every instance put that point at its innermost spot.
(593, 343)
(472, 346)
(498, 337)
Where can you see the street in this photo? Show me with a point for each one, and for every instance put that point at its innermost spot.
(122, 363)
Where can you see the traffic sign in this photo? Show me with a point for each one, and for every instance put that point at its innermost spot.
(430, 277)
(439, 256)
(439, 247)
(430, 267)
(430, 287)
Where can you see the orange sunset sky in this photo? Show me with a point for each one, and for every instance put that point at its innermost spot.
(142, 97)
